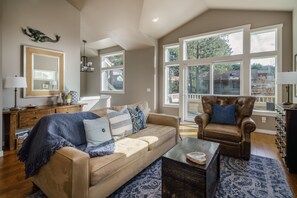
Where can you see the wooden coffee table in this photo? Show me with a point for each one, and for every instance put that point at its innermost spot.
(183, 178)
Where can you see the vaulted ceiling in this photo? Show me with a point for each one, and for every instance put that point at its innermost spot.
(129, 23)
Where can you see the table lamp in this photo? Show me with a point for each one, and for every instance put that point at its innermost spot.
(287, 78)
(15, 82)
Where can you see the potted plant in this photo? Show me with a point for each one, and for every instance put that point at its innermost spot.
(68, 98)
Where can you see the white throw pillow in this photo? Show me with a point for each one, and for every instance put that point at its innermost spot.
(97, 131)
(120, 123)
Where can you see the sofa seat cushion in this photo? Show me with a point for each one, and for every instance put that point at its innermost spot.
(155, 135)
(223, 132)
(126, 150)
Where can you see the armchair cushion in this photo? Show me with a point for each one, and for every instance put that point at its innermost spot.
(230, 133)
(223, 115)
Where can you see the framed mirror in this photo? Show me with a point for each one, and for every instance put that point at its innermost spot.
(44, 71)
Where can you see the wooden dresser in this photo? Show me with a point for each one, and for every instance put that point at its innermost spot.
(286, 135)
(27, 118)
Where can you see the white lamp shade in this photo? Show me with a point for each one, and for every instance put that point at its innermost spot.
(15, 82)
(286, 78)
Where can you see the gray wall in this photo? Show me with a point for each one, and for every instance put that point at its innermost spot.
(139, 75)
(1, 79)
(213, 20)
(50, 17)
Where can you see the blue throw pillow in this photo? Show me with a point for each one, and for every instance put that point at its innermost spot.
(221, 115)
(138, 119)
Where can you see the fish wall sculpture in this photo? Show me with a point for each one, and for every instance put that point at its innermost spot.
(38, 36)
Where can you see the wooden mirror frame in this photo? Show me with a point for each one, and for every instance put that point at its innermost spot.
(28, 52)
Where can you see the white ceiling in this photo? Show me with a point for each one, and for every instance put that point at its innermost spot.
(128, 23)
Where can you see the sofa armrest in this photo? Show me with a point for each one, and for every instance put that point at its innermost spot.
(201, 120)
(65, 175)
(164, 119)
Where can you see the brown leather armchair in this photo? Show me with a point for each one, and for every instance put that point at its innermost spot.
(234, 139)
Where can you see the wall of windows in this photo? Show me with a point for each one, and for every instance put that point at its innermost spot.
(113, 72)
(234, 61)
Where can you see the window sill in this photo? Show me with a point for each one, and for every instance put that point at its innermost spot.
(171, 106)
(112, 92)
(264, 113)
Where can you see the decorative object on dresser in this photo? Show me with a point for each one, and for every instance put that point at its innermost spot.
(286, 136)
(288, 78)
(27, 118)
(15, 82)
(74, 97)
(60, 99)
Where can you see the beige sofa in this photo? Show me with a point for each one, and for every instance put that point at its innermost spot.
(72, 173)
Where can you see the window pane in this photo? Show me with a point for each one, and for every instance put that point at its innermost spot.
(113, 80)
(171, 54)
(172, 84)
(263, 41)
(226, 79)
(263, 82)
(215, 46)
(113, 60)
(198, 79)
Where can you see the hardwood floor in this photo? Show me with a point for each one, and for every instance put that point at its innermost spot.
(14, 185)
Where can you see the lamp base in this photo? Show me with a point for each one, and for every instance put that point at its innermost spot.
(16, 108)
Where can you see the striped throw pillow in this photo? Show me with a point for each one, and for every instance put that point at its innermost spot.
(120, 123)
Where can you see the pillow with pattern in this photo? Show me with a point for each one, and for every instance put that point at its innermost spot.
(138, 119)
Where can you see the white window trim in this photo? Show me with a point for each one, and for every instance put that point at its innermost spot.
(165, 65)
(244, 59)
(102, 69)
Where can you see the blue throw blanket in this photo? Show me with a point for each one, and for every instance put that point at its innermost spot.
(53, 132)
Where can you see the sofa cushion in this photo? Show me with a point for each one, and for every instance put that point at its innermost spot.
(97, 131)
(155, 135)
(226, 132)
(126, 151)
(138, 119)
(120, 123)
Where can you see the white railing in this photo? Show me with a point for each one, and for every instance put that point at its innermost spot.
(197, 98)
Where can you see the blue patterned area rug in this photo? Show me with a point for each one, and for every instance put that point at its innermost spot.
(259, 177)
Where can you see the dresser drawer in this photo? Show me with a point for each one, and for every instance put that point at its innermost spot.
(29, 118)
(68, 109)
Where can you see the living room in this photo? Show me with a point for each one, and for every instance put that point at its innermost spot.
(144, 44)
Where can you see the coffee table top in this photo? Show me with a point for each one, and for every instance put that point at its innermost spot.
(187, 145)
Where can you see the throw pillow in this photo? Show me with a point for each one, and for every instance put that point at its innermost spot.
(221, 115)
(97, 131)
(138, 119)
(120, 123)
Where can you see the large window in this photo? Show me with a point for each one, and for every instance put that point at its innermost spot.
(263, 66)
(226, 79)
(235, 61)
(171, 71)
(113, 72)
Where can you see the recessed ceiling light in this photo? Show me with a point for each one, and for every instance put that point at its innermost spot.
(156, 19)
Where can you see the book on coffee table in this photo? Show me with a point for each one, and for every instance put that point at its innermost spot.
(197, 157)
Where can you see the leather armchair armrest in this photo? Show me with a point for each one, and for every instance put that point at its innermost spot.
(201, 120)
(65, 175)
(248, 125)
(164, 119)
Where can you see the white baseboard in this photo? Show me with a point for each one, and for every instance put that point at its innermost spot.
(1, 153)
(269, 132)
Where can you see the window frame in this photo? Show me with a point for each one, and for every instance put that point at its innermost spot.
(244, 59)
(119, 67)
(165, 81)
